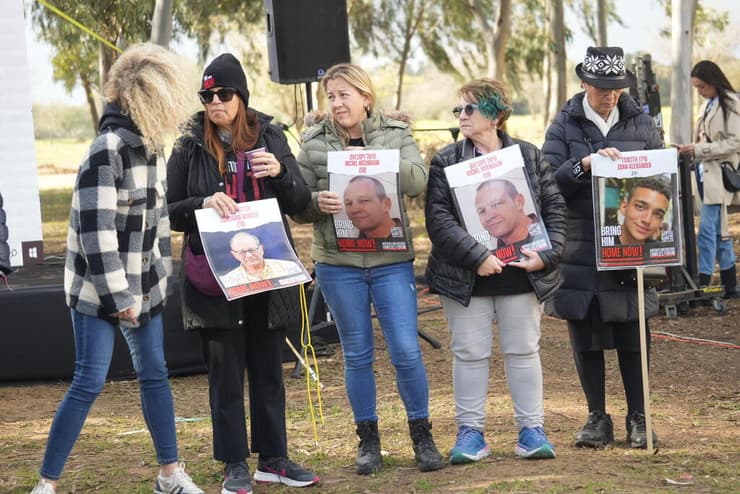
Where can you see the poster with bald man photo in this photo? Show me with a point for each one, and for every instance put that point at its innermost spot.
(494, 200)
(249, 252)
(367, 181)
(637, 212)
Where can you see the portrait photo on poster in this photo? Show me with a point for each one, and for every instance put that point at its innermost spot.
(249, 252)
(495, 204)
(637, 220)
(371, 219)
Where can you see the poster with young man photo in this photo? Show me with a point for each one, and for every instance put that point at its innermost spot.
(637, 220)
(494, 200)
(367, 182)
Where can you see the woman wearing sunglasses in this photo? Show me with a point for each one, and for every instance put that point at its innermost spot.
(477, 288)
(203, 173)
(352, 281)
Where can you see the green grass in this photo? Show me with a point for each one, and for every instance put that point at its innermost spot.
(61, 153)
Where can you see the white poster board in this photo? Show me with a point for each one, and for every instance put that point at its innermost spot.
(18, 173)
(249, 251)
(637, 213)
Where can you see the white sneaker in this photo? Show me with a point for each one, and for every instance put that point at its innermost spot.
(43, 487)
(177, 483)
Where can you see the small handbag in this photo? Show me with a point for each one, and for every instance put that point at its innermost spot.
(730, 177)
(199, 273)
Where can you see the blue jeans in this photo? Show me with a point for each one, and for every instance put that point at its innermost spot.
(391, 289)
(710, 244)
(94, 340)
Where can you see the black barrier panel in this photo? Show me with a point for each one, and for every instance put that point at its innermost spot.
(37, 342)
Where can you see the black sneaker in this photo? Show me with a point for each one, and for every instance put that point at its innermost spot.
(236, 479)
(637, 431)
(598, 431)
(283, 471)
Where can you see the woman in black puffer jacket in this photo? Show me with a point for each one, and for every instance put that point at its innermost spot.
(477, 288)
(600, 306)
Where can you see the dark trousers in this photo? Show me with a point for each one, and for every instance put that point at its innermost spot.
(227, 354)
(589, 338)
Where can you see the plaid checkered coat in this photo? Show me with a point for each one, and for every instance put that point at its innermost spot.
(118, 242)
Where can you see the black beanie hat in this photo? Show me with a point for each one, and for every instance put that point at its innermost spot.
(226, 71)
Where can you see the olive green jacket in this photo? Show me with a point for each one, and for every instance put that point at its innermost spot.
(379, 132)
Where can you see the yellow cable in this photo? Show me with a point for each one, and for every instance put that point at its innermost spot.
(79, 25)
(306, 347)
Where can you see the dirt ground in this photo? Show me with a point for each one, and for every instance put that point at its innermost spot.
(695, 404)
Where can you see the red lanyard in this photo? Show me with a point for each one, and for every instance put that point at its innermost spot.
(234, 183)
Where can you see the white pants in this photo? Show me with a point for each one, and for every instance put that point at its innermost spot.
(518, 318)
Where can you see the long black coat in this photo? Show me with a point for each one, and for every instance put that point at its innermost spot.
(192, 175)
(456, 255)
(570, 138)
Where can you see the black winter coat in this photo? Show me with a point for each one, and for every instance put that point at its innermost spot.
(570, 138)
(192, 175)
(456, 255)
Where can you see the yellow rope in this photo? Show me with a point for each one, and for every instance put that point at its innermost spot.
(311, 364)
(79, 25)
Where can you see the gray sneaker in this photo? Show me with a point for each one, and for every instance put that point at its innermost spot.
(177, 483)
(237, 479)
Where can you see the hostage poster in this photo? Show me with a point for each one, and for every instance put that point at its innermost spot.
(367, 183)
(636, 209)
(249, 251)
(494, 201)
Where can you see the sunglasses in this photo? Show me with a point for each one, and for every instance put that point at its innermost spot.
(224, 94)
(469, 109)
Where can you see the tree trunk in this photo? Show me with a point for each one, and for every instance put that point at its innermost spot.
(547, 70)
(501, 38)
(558, 67)
(162, 23)
(91, 103)
(682, 41)
(601, 14)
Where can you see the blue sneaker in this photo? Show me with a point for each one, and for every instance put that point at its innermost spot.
(533, 444)
(469, 446)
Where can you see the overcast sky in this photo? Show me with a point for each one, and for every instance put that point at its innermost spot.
(640, 35)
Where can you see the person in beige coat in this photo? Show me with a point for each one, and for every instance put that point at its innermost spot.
(716, 139)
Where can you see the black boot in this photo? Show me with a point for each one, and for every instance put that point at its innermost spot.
(368, 452)
(425, 451)
(598, 431)
(637, 431)
(704, 279)
(729, 280)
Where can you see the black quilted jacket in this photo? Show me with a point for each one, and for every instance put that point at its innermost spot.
(456, 255)
(569, 139)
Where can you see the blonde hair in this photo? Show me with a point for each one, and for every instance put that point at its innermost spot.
(149, 83)
(355, 76)
(491, 91)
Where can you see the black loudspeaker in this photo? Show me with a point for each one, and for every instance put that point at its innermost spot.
(305, 38)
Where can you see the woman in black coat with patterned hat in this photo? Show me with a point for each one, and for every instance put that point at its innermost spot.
(600, 306)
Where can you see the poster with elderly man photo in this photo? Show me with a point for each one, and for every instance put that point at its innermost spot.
(249, 251)
(637, 220)
(368, 185)
(494, 200)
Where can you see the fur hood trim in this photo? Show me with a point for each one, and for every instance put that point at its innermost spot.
(316, 116)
